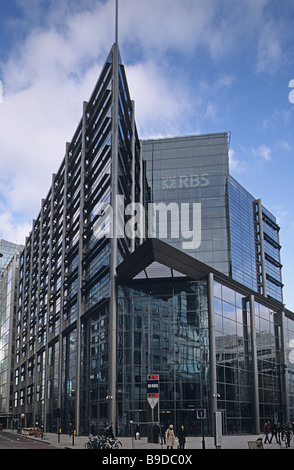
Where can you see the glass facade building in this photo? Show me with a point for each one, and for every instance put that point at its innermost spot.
(289, 371)
(9, 262)
(189, 170)
(67, 268)
(163, 329)
(98, 309)
(255, 245)
(214, 342)
(239, 236)
(239, 337)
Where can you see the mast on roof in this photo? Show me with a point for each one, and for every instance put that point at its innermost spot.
(116, 22)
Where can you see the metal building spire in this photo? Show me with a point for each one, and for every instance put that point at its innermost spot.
(116, 22)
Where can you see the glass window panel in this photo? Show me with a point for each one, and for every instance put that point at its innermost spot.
(229, 327)
(228, 295)
(229, 311)
(217, 290)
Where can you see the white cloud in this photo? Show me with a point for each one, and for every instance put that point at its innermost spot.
(237, 165)
(12, 230)
(160, 25)
(34, 126)
(269, 50)
(159, 101)
(284, 145)
(45, 82)
(263, 153)
(281, 117)
(281, 213)
(54, 69)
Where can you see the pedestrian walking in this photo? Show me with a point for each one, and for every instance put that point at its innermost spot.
(170, 437)
(70, 429)
(137, 432)
(162, 433)
(288, 433)
(156, 432)
(182, 434)
(266, 431)
(109, 431)
(280, 432)
(274, 430)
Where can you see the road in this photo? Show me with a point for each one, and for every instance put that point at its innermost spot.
(9, 440)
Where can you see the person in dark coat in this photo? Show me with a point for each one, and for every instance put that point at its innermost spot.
(137, 432)
(109, 432)
(162, 433)
(274, 431)
(156, 432)
(182, 434)
(70, 429)
(266, 431)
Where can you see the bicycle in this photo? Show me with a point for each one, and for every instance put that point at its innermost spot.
(102, 442)
(288, 437)
(112, 443)
(92, 442)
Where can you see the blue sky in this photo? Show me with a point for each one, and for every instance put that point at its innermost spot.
(193, 66)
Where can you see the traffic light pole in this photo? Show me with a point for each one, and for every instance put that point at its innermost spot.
(203, 434)
(58, 423)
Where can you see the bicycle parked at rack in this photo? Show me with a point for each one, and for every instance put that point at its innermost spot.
(288, 436)
(102, 442)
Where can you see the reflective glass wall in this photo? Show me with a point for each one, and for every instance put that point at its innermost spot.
(233, 359)
(65, 264)
(235, 340)
(289, 369)
(242, 235)
(268, 346)
(255, 246)
(94, 370)
(193, 170)
(8, 281)
(163, 329)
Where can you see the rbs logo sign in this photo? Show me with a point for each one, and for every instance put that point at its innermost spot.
(291, 94)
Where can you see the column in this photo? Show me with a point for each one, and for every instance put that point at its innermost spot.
(81, 275)
(212, 350)
(254, 366)
(283, 367)
(113, 243)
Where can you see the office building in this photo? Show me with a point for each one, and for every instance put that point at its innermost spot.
(215, 343)
(100, 309)
(9, 262)
(239, 237)
(67, 269)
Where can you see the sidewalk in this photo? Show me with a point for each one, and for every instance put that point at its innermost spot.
(235, 441)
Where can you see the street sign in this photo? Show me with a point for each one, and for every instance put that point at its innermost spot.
(201, 414)
(152, 400)
(153, 390)
(152, 384)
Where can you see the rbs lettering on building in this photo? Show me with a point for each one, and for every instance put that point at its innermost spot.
(184, 181)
